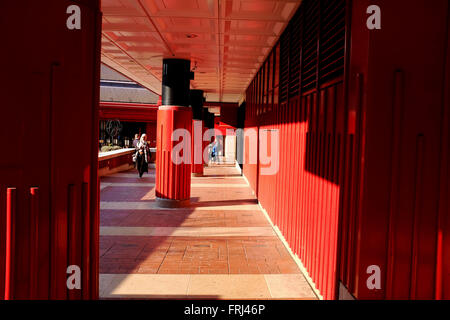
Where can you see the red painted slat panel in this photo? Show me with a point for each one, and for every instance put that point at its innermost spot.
(86, 254)
(34, 241)
(11, 203)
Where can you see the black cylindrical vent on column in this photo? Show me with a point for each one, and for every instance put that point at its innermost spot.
(197, 104)
(205, 117)
(209, 119)
(175, 82)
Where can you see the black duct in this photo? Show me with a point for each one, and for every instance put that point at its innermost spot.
(197, 101)
(175, 82)
(208, 119)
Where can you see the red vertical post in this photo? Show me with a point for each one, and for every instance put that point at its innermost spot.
(9, 241)
(208, 119)
(197, 148)
(205, 145)
(196, 100)
(174, 128)
(34, 240)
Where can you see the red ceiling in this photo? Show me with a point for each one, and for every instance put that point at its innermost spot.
(226, 40)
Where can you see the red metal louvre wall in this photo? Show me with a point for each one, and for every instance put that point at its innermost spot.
(48, 173)
(396, 216)
(363, 121)
(301, 95)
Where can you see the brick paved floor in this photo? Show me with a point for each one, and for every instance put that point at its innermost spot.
(220, 247)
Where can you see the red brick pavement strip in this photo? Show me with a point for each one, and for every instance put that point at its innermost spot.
(119, 193)
(151, 179)
(187, 255)
(166, 218)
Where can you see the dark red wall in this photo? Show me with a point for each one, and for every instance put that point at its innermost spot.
(228, 116)
(151, 134)
(397, 213)
(48, 172)
(226, 120)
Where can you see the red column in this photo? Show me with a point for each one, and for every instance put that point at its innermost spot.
(196, 101)
(197, 148)
(205, 145)
(208, 119)
(173, 181)
(173, 158)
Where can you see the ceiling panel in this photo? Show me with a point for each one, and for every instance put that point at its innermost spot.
(225, 40)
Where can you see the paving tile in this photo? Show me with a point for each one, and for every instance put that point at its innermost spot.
(187, 231)
(289, 286)
(205, 184)
(142, 285)
(195, 206)
(165, 218)
(229, 286)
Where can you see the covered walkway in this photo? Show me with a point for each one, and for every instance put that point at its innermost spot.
(221, 247)
(338, 112)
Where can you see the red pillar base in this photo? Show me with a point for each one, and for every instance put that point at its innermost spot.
(171, 203)
(195, 174)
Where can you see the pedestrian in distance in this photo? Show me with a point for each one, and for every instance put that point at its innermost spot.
(214, 151)
(136, 140)
(135, 146)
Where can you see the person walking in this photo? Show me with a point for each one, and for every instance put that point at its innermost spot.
(135, 146)
(142, 155)
(136, 140)
(219, 149)
(214, 150)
